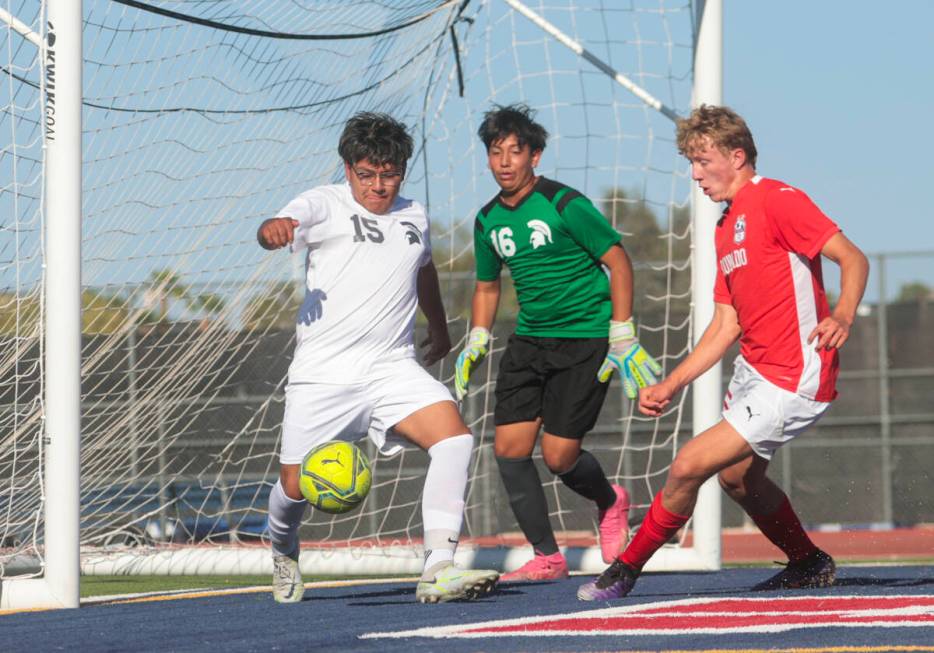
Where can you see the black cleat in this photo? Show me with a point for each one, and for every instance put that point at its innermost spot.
(817, 570)
(614, 583)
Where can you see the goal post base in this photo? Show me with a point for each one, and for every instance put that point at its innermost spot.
(31, 594)
(363, 561)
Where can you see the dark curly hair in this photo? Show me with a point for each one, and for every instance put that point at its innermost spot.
(377, 137)
(499, 122)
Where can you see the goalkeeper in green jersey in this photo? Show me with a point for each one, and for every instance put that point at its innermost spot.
(574, 329)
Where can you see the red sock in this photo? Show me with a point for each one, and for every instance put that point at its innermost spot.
(657, 528)
(784, 530)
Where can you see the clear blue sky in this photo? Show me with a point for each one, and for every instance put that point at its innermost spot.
(840, 96)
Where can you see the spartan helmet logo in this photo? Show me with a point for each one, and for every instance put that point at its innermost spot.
(541, 234)
(412, 233)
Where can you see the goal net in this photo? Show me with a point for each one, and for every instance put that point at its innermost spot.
(203, 118)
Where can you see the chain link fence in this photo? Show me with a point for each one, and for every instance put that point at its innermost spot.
(869, 461)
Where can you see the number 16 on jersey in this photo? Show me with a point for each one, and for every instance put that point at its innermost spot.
(502, 241)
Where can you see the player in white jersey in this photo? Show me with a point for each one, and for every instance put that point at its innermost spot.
(354, 373)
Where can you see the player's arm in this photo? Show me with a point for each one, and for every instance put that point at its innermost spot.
(636, 366)
(276, 232)
(801, 227)
(429, 300)
(834, 330)
(722, 332)
(484, 304)
(617, 262)
(483, 313)
(297, 224)
(593, 232)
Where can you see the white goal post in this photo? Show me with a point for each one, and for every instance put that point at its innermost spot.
(707, 392)
(164, 339)
(61, 55)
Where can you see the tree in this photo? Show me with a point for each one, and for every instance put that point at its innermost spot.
(100, 313)
(165, 287)
(659, 256)
(19, 314)
(103, 313)
(452, 247)
(914, 291)
(273, 309)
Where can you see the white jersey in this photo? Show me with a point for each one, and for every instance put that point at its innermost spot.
(360, 284)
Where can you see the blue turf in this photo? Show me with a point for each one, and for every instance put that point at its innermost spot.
(332, 619)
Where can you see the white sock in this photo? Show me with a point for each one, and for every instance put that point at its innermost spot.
(443, 500)
(285, 516)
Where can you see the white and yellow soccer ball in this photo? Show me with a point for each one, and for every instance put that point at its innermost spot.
(335, 477)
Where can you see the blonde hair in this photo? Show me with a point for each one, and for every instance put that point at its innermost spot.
(722, 126)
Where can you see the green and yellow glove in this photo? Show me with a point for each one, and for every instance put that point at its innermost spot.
(634, 363)
(474, 353)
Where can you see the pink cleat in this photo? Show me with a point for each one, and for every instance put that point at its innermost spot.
(614, 526)
(541, 567)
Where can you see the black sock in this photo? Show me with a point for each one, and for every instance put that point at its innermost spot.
(527, 499)
(586, 477)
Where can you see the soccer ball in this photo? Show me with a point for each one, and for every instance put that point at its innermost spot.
(335, 477)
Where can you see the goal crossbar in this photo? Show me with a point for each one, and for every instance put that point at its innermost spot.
(601, 65)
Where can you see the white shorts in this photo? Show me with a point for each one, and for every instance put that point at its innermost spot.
(321, 412)
(764, 414)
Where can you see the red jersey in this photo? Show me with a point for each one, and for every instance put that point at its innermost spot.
(768, 253)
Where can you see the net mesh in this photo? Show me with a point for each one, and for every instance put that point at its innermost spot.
(203, 118)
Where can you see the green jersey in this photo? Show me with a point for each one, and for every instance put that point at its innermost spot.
(552, 242)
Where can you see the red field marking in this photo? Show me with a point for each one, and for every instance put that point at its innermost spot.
(733, 615)
(705, 616)
(807, 604)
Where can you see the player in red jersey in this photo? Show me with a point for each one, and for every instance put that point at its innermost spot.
(769, 294)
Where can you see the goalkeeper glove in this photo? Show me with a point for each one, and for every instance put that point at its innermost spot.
(634, 363)
(474, 352)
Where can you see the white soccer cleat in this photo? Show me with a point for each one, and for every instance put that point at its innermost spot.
(287, 586)
(453, 583)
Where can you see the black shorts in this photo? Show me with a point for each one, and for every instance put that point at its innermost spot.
(551, 378)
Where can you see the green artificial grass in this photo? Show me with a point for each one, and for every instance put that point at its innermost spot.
(92, 586)
(112, 585)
